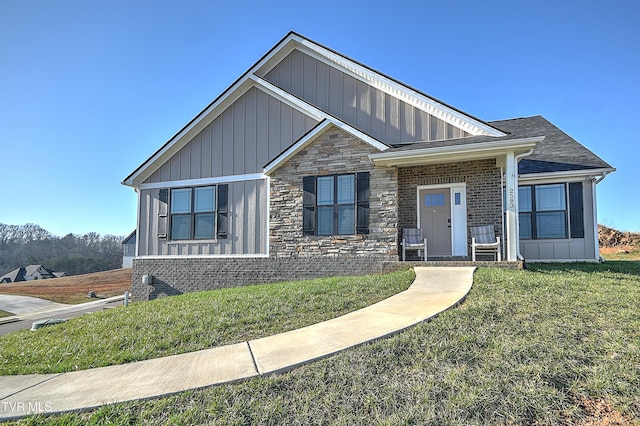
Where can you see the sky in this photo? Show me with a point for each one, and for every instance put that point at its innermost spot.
(90, 89)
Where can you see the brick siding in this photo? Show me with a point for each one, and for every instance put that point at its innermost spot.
(484, 191)
(176, 275)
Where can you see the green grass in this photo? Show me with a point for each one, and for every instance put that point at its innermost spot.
(525, 347)
(190, 322)
(5, 314)
(631, 255)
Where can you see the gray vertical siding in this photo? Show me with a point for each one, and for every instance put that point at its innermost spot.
(570, 248)
(364, 107)
(247, 224)
(245, 137)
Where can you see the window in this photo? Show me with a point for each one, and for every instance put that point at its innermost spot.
(195, 213)
(550, 211)
(435, 200)
(336, 205)
(543, 211)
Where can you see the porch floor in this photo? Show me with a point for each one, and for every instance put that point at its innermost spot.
(479, 263)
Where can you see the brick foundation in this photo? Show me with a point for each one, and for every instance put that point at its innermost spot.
(176, 276)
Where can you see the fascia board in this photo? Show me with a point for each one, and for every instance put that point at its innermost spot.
(177, 142)
(566, 175)
(203, 181)
(285, 97)
(454, 153)
(308, 109)
(281, 49)
(295, 148)
(310, 137)
(398, 90)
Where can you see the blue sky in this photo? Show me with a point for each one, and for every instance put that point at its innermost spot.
(90, 89)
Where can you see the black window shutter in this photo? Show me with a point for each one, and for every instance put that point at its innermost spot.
(163, 209)
(362, 203)
(309, 205)
(576, 210)
(223, 211)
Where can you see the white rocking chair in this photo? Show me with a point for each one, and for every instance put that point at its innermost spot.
(412, 240)
(484, 240)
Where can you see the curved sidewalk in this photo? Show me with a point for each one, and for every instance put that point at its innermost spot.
(433, 291)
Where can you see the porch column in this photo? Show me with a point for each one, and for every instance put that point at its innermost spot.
(511, 226)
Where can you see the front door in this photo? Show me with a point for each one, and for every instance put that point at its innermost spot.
(435, 220)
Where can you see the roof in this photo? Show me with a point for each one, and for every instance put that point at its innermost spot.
(252, 77)
(30, 269)
(557, 152)
(20, 273)
(131, 238)
(15, 275)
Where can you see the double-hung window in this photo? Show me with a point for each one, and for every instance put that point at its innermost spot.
(336, 204)
(198, 213)
(544, 212)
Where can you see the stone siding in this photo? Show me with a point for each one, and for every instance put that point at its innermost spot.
(484, 191)
(333, 152)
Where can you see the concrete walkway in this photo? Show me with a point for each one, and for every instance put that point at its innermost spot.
(433, 291)
(19, 305)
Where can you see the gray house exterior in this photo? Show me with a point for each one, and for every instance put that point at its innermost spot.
(311, 164)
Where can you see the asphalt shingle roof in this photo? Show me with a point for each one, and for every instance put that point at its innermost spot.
(557, 152)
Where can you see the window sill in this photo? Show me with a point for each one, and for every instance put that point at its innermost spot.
(176, 242)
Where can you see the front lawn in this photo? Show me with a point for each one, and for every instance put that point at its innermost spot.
(191, 322)
(555, 344)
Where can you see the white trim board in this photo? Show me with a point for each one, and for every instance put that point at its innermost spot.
(395, 89)
(310, 138)
(459, 219)
(203, 256)
(566, 176)
(251, 78)
(314, 112)
(203, 181)
(466, 152)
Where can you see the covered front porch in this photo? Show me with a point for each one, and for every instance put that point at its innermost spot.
(447, 191)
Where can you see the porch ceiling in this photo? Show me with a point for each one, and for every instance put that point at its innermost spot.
(445, 154)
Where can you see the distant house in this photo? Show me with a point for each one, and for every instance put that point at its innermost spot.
(30, 273)
(129, 250)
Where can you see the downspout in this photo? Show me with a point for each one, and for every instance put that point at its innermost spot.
(596, 180)
(517, 158)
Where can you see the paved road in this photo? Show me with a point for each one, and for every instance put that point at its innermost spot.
(24, 321)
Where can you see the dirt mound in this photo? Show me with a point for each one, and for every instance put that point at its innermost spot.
(74, 289)
(610, 237)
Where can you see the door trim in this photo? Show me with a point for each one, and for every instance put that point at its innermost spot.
(458, 215)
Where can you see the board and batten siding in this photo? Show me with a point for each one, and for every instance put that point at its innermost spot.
(247, 232)
(567, 249)
(366, 108)
(242, 140)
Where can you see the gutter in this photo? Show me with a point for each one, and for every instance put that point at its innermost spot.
(462, 152)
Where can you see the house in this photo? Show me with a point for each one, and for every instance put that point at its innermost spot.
(311, 164)
(30, 273)
(129, 250)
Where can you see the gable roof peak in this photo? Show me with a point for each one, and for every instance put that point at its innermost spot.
(252, 78)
